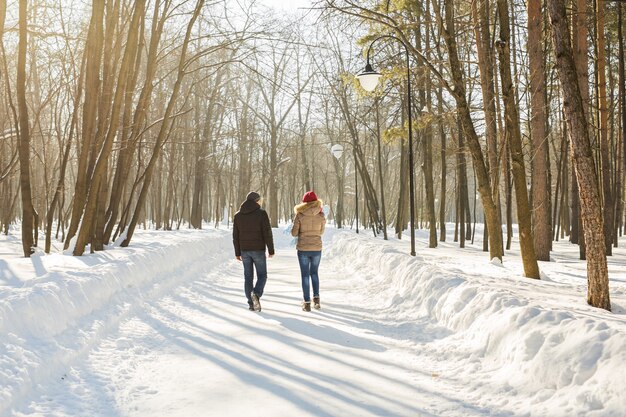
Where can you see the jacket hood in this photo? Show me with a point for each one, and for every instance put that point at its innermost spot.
(311, 208)
(248, 206)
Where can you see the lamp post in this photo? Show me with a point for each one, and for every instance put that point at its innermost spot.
(369, 80)
(337, 151)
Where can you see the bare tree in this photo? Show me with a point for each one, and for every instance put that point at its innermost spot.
(29, 215)
(539, 158)
(486, 64)
(605, 160)
(85, 234)
(529, 259)
(165, 125)
(591, 213)
(93, 52)
(458, 92)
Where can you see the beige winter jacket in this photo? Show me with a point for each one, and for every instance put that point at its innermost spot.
(308, 225)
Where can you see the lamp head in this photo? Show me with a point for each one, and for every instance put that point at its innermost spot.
(369, 78)
(337, 150)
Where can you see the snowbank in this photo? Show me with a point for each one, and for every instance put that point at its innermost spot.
(59, 313)
(531, 337)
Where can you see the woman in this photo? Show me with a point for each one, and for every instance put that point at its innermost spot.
(308, 227)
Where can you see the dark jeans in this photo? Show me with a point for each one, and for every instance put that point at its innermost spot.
(256, 258)
(309, 263)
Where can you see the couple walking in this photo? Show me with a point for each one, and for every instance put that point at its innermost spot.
(252, 233)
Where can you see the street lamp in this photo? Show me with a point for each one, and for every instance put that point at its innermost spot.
(369, 80)
(337, 151)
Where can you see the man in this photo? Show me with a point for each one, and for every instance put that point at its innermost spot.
(251, 234)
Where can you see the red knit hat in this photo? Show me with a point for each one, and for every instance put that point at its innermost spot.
(308, 197)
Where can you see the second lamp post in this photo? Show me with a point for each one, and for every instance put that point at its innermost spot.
(369, 80)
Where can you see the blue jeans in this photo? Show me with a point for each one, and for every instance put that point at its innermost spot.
(309, 263)
(256, 258)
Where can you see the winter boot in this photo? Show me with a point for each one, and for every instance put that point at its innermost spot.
(256, 303)
(306, 306)
(316, 302)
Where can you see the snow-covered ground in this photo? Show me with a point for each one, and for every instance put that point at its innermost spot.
(162, 329)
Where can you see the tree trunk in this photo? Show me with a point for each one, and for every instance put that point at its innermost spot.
(591, 213)
(461, 187)
(427, 139)
(561, 175)
(487, 80)
(380, 172)
(94, 47)
(529, 259)
(125, 157)
(482, 175)
(403, 194)
(56, 200)
(622, 87)
(28, 211)
(444, 179)
(99, 174)
(609, 206)
(539, 160)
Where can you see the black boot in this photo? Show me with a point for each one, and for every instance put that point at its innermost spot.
(256, 304)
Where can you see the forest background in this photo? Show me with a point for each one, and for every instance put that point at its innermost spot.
(117, 114)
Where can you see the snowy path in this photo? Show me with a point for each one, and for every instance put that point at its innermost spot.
(200, 352)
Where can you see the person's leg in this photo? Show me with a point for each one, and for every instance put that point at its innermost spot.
(316, 257)
(260, 264)
(303, 260)
(248, 274)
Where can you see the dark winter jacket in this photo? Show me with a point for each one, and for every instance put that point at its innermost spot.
(251, 229)
(309, 225)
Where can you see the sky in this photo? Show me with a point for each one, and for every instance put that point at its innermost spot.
(287, 4)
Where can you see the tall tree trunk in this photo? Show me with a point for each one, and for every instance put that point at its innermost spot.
(622, 84)
(273, 174)
(427, 138)
(56, 200)
(94, 47)
(538, 122)
(28, 211)
(340, 174)
(486, 63)
(529, 259)
(609, 206)
(461, 186)
(581, 50)
(380, 171)
(591, 213)
(99, 174)
(561, 174)
(203, 150)
(125, 158)
(444, 179)
(403, 194)
(482, 175)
